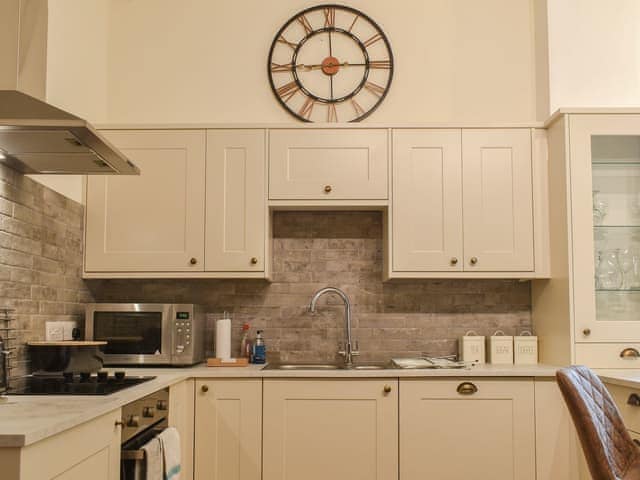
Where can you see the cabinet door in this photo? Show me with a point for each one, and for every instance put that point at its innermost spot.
(452, 436)
(328, 164)
(337, 429)
(236, 201)
(228, 430)
(427, 200)
(605, 222)
(497, 200)
(153, 222)
(89, 450)
(181, 416)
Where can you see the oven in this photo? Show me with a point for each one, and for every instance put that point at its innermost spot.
(141, 420)
(147, 333)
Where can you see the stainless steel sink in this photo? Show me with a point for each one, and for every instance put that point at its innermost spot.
(324, 366)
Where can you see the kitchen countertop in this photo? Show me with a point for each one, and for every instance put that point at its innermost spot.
(624, 378)
(28, 419)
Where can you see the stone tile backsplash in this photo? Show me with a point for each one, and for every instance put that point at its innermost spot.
(344, 249)
(40, 259)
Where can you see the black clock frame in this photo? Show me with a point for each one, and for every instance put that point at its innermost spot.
(318, 31)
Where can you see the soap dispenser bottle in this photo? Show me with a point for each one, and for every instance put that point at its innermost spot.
(259, 349)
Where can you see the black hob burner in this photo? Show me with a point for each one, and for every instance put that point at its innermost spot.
(68, 383)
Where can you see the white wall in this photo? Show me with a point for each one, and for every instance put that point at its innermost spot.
(205, 61)
(594, 53)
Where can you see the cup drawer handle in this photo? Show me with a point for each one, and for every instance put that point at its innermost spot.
(634, 399)
(466, 388)
(629, 353)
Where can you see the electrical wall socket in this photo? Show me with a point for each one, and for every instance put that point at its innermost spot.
(59, 331)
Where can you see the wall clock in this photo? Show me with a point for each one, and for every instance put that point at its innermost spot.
(330, 63)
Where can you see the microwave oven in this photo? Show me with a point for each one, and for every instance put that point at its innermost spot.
(147, 333)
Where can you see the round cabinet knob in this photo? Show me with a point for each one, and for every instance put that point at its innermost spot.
(134, 421)
(473, 260)
(204, 388)
(327, 189)
(193, 261)
(148, 412)
(586, 332)
(454, 260)
(467, 388)
(119, 423)
(162, 405)
(387, 389)
(254, 260)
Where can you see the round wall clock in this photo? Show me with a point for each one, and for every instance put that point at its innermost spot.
(330, 63)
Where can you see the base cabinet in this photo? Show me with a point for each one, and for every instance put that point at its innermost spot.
(461, 429)
(181, 417)
(228, 429)
(90, 450)
(330, 429)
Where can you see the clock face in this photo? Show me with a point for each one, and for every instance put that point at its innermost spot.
(330, 63)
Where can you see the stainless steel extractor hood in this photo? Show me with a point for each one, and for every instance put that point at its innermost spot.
(36, 137)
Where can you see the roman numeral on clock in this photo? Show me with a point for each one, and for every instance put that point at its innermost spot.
(329, 17)
(288, 90)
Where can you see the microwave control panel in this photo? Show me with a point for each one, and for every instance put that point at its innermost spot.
(182, 328)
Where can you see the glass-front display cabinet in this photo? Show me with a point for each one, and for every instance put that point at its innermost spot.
(605, 215)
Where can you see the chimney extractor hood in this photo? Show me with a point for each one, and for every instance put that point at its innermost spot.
(36, 137)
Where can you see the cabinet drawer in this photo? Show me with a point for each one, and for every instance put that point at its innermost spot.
(328, 164)
(456, 428)
(606, 355)
(630, 413)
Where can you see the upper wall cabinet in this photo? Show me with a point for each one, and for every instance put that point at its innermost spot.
(236, 202)
(462, 202)
(153, 222)
(330, 164)
(427, 200)
(497, 200)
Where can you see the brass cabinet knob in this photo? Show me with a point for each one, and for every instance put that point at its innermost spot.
(454, 260)
(467, 388)
(629, 353)
(634, 399)
(119, 423)
(193, 261)
(473, 260)
(204, 388)
(387, 389)
(327, 189)
(254, 260)
(586, 332)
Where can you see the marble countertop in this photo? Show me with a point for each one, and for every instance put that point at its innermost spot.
(28, 419)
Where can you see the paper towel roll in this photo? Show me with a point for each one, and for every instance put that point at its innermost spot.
(223, 338)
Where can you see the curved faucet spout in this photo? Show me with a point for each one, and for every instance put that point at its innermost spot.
(349, 351)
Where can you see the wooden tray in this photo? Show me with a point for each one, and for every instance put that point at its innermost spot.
(234, 362)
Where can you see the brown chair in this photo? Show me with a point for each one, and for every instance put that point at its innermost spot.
(607, 446)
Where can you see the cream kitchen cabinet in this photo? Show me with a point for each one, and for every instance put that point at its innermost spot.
(198, 209)
(181, 417)
(228, 429)
(427, 201)
(236, 201)
(338, 429)
(328, 164)
(462, 201)
(590, 307)
(90, 450)
(153, 222)
(467, 428)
